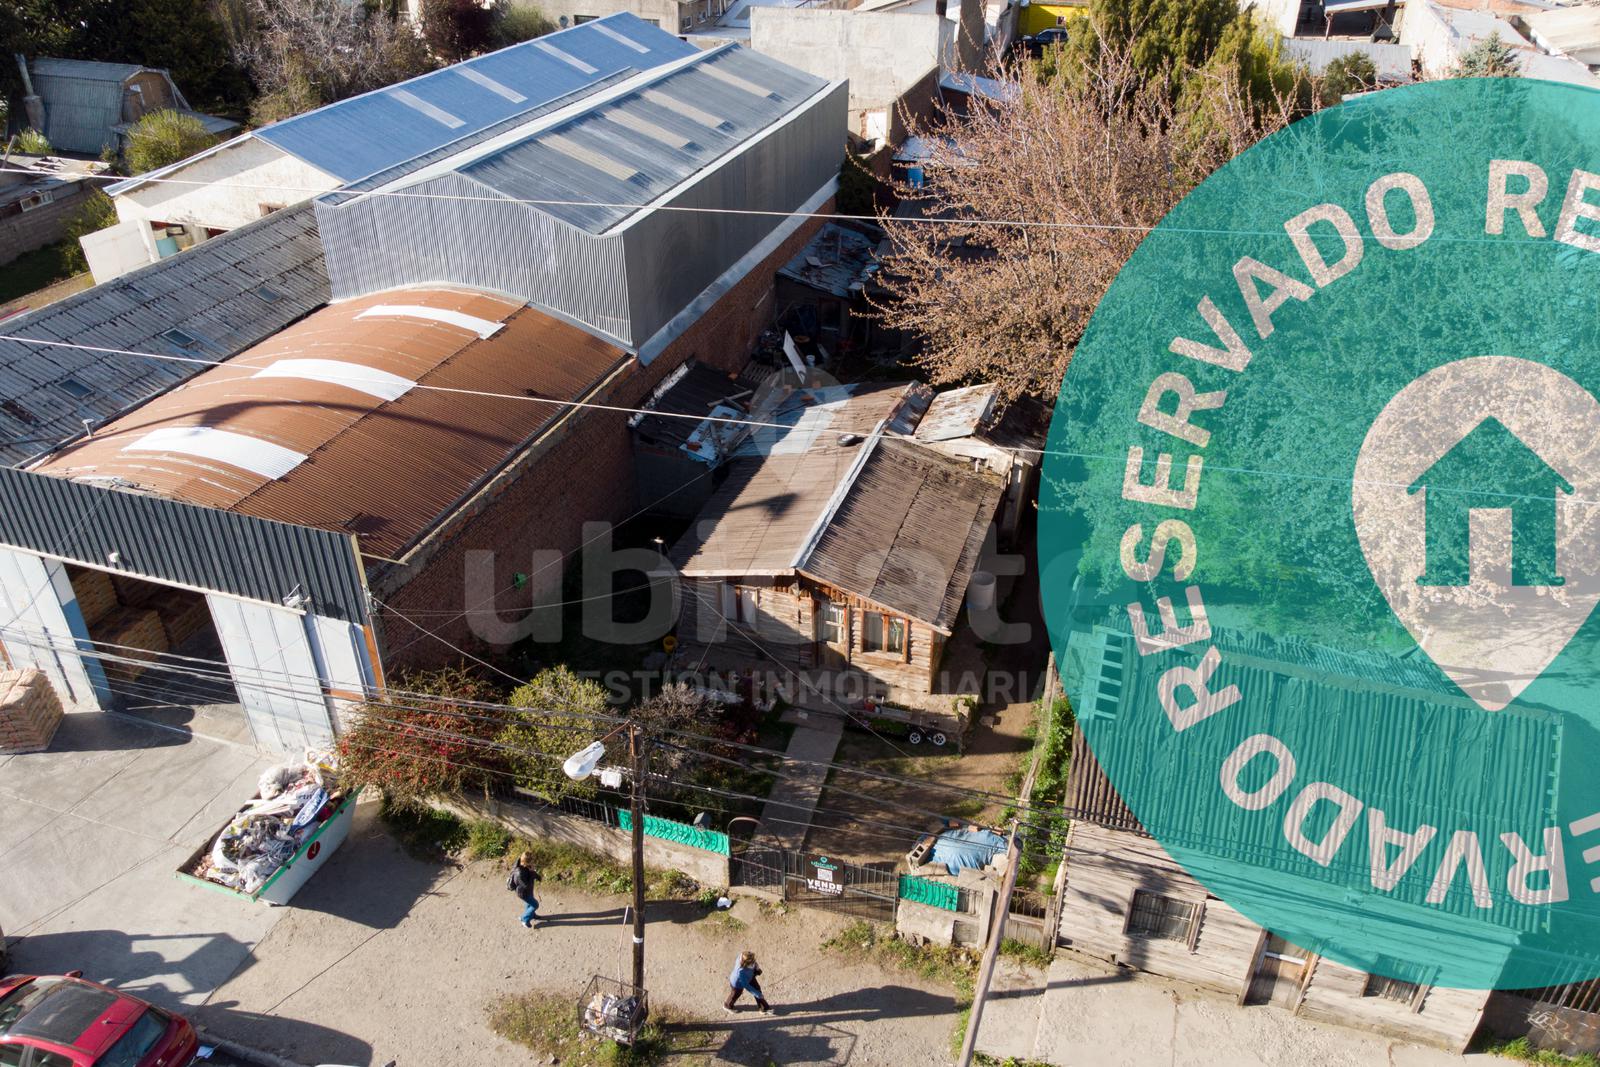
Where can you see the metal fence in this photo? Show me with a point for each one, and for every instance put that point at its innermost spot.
(1028, 920)
(866, 891)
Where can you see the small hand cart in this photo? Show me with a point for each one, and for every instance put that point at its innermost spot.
(613, 1009)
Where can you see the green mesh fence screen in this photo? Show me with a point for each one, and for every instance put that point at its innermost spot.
(677, 832)
(935, 894)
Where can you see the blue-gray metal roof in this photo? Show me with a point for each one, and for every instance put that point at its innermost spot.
(630, 150)
(363, 135)
(220, 298)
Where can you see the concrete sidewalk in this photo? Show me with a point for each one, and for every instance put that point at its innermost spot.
(92, 833)
(1084, 1014)
(789, 807)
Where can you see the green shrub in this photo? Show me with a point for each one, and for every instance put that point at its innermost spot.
(487, 839)
(425, 832)
(164, 137)
(33, 143)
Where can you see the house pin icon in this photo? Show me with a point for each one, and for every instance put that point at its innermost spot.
(1476, 501)
(1491, 512)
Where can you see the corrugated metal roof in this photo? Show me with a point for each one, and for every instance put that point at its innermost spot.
(886, 518)
(365, 134)
(958, 412)
(1572, 30)
(226, 294)
(631, 149)
(82, 101)
(696, 392)
(908, 532)
(838, 260)
(384, 469)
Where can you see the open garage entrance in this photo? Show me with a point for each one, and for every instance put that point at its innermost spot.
(159, 650)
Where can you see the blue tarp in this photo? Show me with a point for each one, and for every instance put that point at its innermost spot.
(960, 849)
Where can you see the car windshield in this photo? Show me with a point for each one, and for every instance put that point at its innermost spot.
(139, 1039)
(53, 1010)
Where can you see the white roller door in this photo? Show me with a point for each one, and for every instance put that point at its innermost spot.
(40, 624)
(276, 673)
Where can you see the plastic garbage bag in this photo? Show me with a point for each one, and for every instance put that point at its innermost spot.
(276, 779)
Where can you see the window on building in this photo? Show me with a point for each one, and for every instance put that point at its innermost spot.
(830, 623)
(683, 25)
(1161, 918)
(882, 633)
(652, 22)
(1394, 989)
(579, 20)
(748, 600)
(37, 200)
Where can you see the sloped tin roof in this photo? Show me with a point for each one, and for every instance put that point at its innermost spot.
(324, 425)
(208, 303)
(376, 131)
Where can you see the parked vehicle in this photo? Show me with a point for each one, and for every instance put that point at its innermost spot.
(64, 1021)
(1045, 38)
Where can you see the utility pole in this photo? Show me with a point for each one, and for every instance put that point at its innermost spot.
(997, 930)
(636, 749)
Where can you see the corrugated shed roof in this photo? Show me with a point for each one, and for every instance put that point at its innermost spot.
(226, 295)
(631, 149)
(1090, 794)
(365, 134)
(322, 396)
(835, 260)
(82, 101)
(885, 518)
(908, 532)
(958, 412)
(696, 392)
(1380, 702)
(1573, 30)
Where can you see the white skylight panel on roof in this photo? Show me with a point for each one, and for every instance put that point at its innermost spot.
(480, 78)
(727, 77)
(679, 107)
(565, 57)
(588, 157)
(639, 124)
(484, 328)
(264, 458)
(602, 28)
(369, 380)
(416, 103)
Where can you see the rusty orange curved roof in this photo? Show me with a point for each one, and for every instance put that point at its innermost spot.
(323, 424)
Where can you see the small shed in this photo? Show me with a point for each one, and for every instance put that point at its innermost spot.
(90, 106)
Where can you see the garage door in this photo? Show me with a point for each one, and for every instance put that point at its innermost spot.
(275, 671)
(41, 627)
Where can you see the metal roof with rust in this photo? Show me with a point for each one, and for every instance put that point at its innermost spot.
(882, 517)
(366, 417)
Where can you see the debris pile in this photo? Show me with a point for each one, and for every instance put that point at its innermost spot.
(292, 801)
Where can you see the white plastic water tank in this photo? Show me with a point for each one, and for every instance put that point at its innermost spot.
(980, 592)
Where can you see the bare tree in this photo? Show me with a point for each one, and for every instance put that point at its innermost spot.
(1077, 164)
(305, 53)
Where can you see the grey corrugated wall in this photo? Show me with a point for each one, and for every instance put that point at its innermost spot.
(167, 540)
(625, 284)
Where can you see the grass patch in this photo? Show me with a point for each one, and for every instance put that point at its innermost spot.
(34, 270)
(944, 964)
(726, 923)
(487, 839)
(426, 833)
(1031, 955)
(548, 1024)
(1521, 1048)
(562, 864)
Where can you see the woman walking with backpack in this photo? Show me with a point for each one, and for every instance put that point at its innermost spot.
(742, 979)
(520, 881)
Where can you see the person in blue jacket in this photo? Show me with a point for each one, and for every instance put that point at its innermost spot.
(742, 979)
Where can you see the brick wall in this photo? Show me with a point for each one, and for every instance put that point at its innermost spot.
(580, 471)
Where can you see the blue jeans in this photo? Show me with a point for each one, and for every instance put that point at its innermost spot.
(530, 911)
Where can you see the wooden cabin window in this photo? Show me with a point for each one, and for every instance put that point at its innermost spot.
(1161, 918)
(883, 633)
(830, 623)
(748, 600)
(1394, 989)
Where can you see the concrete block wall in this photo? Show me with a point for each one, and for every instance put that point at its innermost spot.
(580, 472)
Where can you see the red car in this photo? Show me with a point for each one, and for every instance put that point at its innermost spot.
(67, 1022)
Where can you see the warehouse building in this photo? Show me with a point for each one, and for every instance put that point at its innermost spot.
(350, 418)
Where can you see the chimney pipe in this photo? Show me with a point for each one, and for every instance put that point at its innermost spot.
(32, 106)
